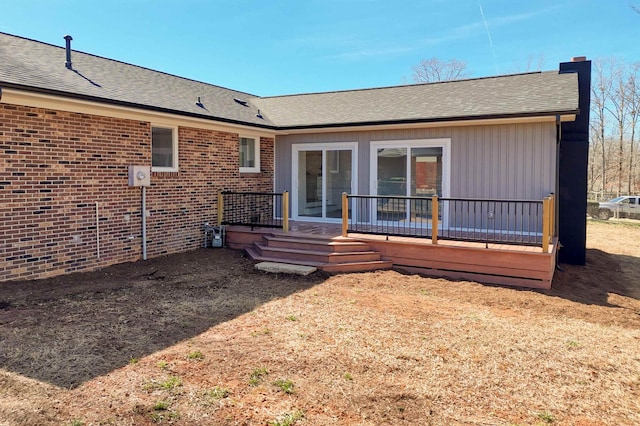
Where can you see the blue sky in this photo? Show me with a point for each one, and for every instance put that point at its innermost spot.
(280, 47)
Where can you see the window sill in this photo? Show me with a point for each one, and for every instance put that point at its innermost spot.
(164, 169)
(249, 170)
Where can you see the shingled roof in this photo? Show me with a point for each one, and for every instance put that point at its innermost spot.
(31, 65)
(531, 94)
(41, 67)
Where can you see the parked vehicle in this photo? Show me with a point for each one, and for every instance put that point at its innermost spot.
(626, 206)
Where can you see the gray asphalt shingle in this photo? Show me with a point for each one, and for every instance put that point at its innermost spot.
(32, 64)
(521, 94)
(39, 65)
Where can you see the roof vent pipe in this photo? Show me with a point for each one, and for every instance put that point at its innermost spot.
(68, 39)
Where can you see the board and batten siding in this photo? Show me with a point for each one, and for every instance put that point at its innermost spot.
(509, 161)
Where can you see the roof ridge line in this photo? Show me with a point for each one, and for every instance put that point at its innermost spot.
(364, 89)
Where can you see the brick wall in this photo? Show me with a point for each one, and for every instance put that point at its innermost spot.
(55, 166)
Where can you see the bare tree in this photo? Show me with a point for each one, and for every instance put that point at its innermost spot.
(599, 97)
(434, 69)
(533, 63)
(633, 101)
(618, 108)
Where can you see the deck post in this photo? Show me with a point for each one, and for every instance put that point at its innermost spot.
(546, 222)
(285, 211)
(552, 213)
(345, 214)
(220, 207)
(434, 219)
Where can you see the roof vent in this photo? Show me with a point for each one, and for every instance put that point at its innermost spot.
(199, 103)
(259, 115)
(68, 39)
(578, 59)
(240, 101)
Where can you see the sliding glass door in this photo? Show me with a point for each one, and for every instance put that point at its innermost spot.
(408, 169)
(321, 173)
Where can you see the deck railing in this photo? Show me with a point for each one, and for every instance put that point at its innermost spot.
(254, 209)
(521, 222)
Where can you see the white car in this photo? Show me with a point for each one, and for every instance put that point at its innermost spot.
(625, 206)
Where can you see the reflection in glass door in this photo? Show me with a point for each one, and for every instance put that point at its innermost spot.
(310, 183)
(403, 171)
(322, 174)
(338, 167)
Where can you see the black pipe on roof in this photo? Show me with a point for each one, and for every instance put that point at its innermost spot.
(68, 39)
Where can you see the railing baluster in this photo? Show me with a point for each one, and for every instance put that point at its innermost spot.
(501, 221)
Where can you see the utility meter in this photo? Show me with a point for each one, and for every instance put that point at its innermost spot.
(139, 176)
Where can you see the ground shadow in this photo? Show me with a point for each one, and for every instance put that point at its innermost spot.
(592, 283)
(70, 329)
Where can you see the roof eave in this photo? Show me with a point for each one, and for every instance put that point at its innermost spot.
(98, 99)
(433, 120)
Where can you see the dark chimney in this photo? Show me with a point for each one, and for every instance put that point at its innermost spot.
(68, 39)
(572, 173)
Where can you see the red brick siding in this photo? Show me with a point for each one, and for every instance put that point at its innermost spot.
(56, 165)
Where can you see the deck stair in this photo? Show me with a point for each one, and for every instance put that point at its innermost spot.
(333, 255)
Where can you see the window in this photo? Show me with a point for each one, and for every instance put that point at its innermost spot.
(249, 154)
(164, 149)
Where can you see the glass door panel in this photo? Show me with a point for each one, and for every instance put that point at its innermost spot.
(310, 183)
(323, 174)
(338, 166)
(426, 181)
(392, 181)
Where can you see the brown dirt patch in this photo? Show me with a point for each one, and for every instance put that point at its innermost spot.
(360, 349)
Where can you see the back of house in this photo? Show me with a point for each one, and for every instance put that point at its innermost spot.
(72, 124)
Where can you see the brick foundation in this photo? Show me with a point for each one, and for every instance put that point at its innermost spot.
(56, 165)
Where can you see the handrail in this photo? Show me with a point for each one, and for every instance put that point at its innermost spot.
(254, 209)
(502, 221)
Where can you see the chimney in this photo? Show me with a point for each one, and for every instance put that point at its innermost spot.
(578, 59)
(68, 39)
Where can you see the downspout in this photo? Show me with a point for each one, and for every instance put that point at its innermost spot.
(557, 186)
(97, 232)
(144, 223)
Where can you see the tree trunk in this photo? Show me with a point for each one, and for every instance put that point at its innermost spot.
(620, 160)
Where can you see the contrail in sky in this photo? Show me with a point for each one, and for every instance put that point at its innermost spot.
(493, 51)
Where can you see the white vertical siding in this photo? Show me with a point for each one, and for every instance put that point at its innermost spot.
(512, 161)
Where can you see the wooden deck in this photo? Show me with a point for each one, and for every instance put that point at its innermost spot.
(505, 264)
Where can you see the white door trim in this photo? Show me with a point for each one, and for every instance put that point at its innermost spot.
(324, 147)
(444, 143)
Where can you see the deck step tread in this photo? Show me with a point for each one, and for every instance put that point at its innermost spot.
(305, 237)
(313, 252)
(326, 246)
(257, 256)
(357, 266)
(317, 241)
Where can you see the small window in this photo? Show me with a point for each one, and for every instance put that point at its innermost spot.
(249, 155)
(164, 149)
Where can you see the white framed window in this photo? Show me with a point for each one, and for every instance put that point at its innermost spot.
(164, 149)
(249, 154)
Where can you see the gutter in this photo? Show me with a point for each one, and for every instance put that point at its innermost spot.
(432, 120)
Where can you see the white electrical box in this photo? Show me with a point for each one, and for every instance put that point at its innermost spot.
(139, 176)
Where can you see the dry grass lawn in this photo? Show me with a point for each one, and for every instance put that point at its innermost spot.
(203, 339)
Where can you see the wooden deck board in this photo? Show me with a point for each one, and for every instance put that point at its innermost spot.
(504, 264)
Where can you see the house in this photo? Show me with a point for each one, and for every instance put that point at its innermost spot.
(72, 123)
